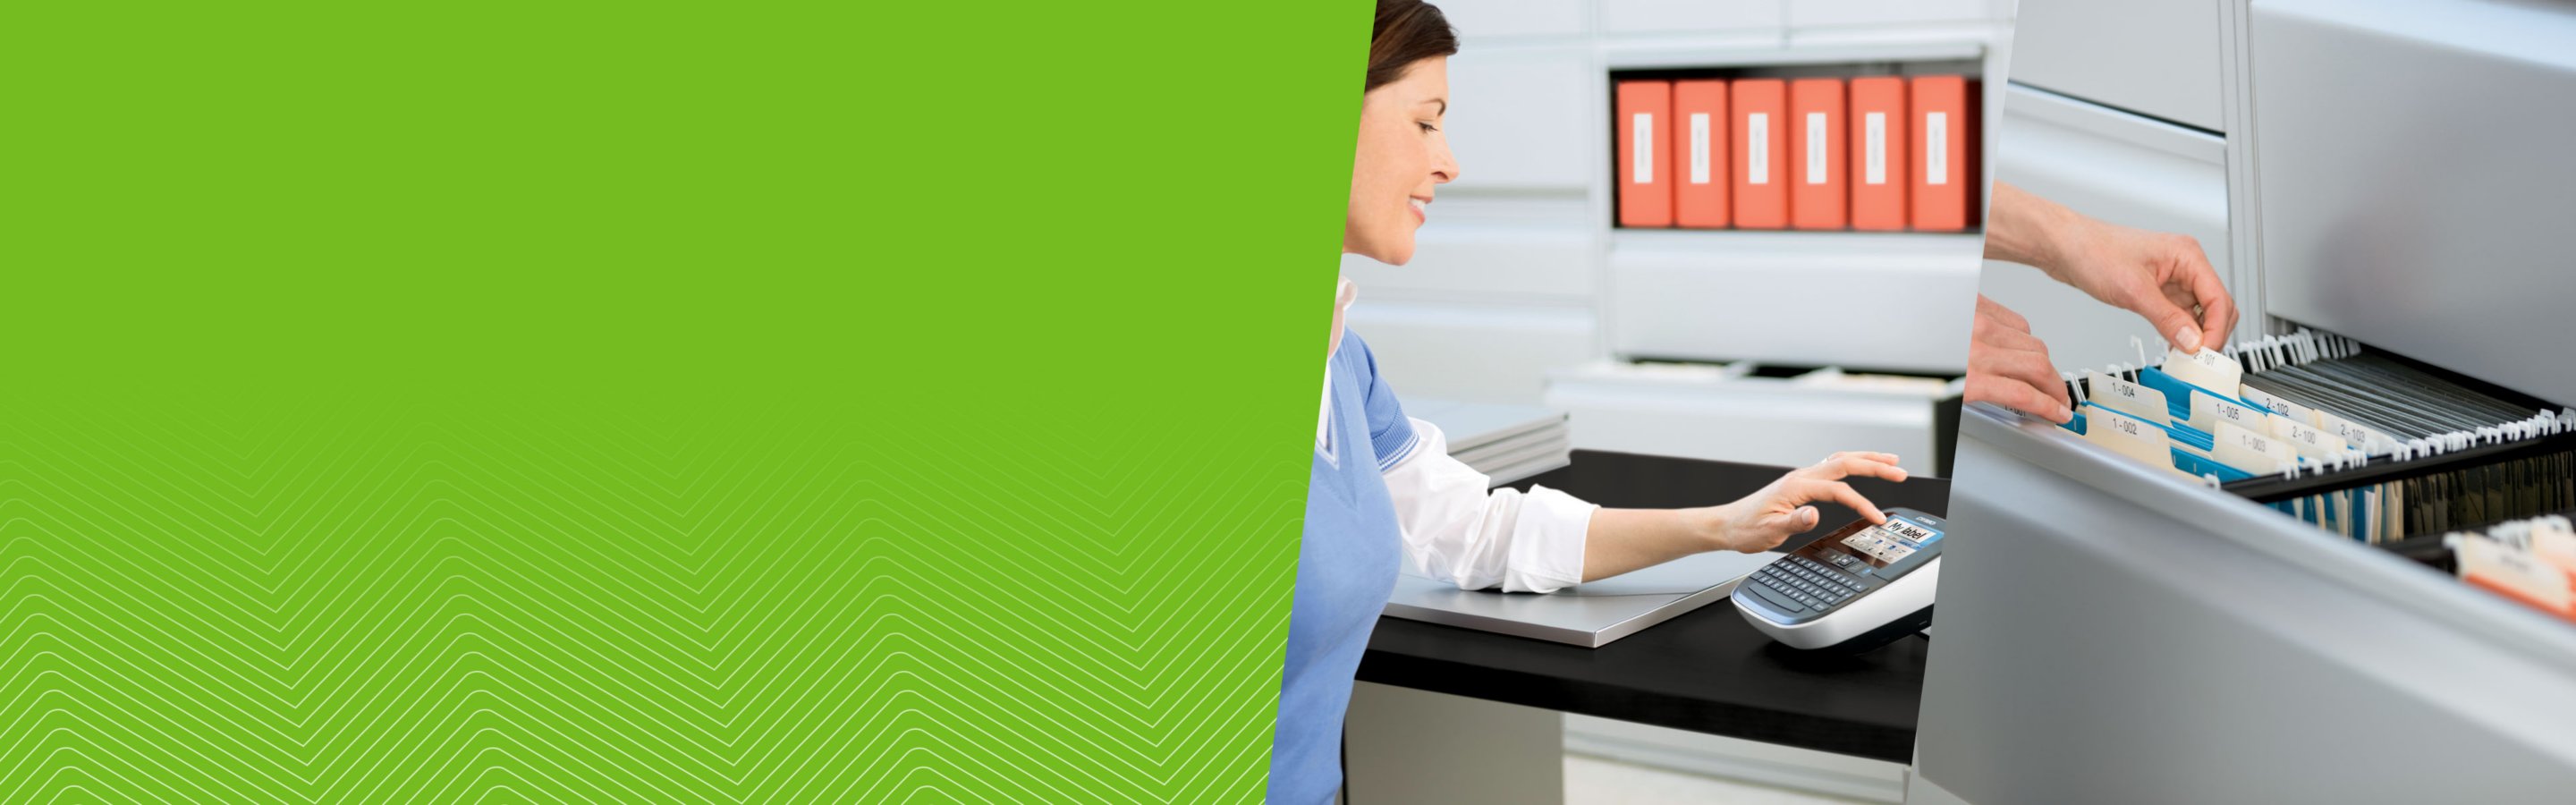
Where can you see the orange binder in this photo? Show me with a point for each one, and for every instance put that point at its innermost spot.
(1944, 138)
(1878, 149)
(1818, 191)
(1699, 154)
(1645, 153)
(1759, 111)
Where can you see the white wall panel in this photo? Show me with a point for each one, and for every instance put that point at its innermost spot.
(1755, 420)
(1478, 19)
(1803, 13)
(1876, 300)
(1473, 353)
(1673, 16)
(2155, 57)
(1518, 118)
(1492, 250)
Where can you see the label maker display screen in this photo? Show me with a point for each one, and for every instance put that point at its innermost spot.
(1890, 542)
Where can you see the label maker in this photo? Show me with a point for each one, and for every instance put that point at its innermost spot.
(1855, 589)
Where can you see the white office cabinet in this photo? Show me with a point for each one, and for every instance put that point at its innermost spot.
(1805, 13)
(1682, 16)
(2418, 181)
(1486, 353)
(1878, 300)
(1477, 20)
(2117, 167)
(1493, 250)
(1719, 414)
(2153, 57)
(2108, 633)
(1512, 121)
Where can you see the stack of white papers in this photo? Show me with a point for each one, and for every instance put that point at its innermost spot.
(1505, 442)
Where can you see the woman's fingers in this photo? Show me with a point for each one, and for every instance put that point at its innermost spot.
(1989, 308)
(2217, 309)
(2020, 396)
(1813, 490)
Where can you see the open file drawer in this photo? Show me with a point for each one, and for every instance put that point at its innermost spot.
(2109, 633)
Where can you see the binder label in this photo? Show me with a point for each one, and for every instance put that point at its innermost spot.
(1936, 148)
(1873, 148)
(1698, 148)
(1757, 148)
(1816, 148)
(1644, 124)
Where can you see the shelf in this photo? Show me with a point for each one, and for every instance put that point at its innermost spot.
(1660, 54)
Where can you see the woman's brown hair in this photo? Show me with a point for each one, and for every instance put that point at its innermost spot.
(1407, 31)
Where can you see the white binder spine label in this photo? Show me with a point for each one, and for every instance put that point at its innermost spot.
(1936, 148)
(1698, 148)
(1644, 124)
(1873, 148)
(1757, 148)
(1816, 155)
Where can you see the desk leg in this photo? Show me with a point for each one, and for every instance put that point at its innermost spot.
(1404, 745)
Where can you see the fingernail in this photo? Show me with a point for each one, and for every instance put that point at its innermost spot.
(2190, 339)
(2065, 414)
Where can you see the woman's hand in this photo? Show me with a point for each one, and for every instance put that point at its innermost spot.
(2009, 367)
(2160, 276)
(1764, 519)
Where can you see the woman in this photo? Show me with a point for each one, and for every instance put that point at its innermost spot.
(1383, 487)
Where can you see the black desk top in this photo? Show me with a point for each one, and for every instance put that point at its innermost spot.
(1704, 671)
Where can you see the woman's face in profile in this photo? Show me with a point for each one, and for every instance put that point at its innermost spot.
(1402, 156)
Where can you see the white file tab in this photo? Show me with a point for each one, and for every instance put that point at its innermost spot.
(2249, 451)
(2310, 442)
(2361, 436)
(2127, 398)
(2207, 369)
(2280, 407)
(2208, 411)
(2128, 436)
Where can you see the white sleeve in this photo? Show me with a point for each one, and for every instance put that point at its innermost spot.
(1456, 531)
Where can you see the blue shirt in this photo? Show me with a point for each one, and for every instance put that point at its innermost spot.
(1347, 562)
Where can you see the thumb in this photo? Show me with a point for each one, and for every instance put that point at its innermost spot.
(1802, 519)
(2175, 323)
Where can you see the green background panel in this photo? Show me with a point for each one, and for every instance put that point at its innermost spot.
(507, 402)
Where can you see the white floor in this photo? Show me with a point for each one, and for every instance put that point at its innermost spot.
(1593, 780)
